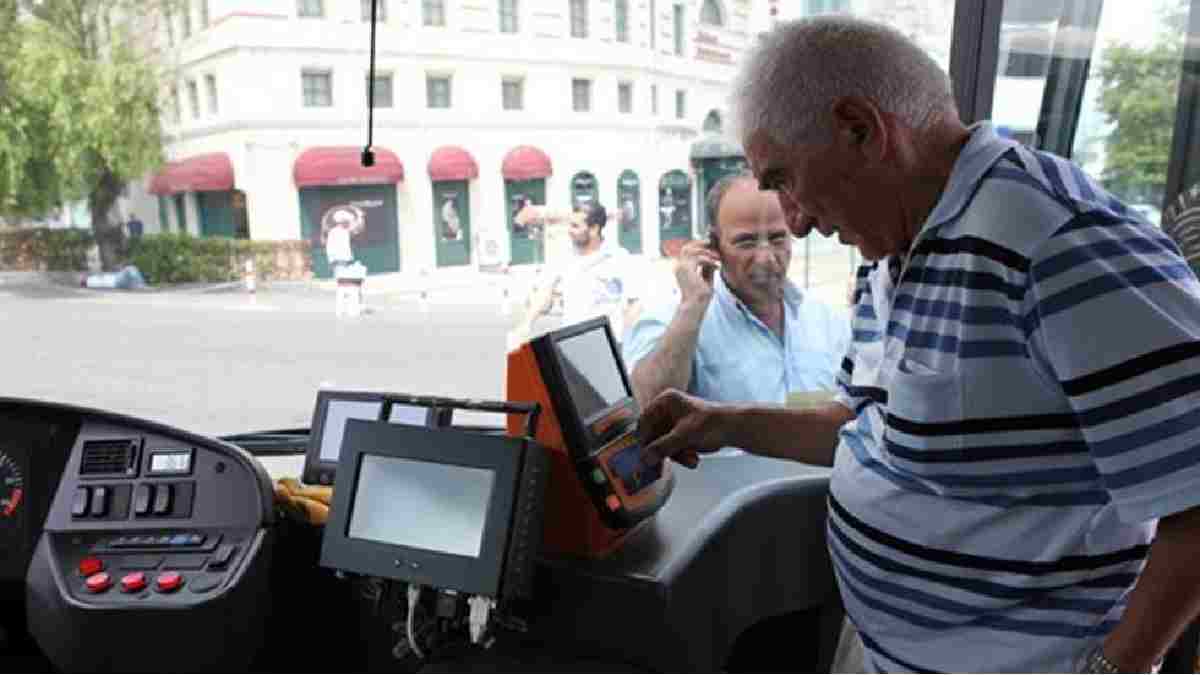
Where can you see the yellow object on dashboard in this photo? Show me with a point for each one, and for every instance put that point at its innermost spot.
(306, 503)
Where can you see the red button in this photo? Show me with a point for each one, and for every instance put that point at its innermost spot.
(613, 503)
(98, 583)
(169, 581)
(133, 582)
(90, 566)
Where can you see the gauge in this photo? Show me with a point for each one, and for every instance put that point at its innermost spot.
(12, 489)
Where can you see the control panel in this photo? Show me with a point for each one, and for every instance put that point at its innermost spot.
(146, 520)
(169, 567)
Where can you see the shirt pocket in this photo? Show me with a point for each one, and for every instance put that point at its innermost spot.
(925, 410)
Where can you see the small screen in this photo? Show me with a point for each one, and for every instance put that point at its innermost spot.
(436, 507)
(592, 372)
(171, 462)
(634, 475)
(408, 414)
(335, 424)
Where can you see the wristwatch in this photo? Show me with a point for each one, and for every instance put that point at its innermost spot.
(1096, 663)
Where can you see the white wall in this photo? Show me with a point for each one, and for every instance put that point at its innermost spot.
(257, 52)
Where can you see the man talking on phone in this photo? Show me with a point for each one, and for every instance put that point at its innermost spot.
(739, 331)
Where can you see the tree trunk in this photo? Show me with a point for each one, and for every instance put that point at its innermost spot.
(110, 237)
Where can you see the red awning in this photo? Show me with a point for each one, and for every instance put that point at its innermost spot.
(202, 173)
(342, 165)
(525, 162)
(451, 162)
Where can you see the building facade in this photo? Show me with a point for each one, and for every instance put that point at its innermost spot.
(479, 104)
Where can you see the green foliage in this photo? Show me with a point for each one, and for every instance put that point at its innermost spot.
(44, 249)
(79, 93)
(1140, 89)
(174, 258)
(1139, 94)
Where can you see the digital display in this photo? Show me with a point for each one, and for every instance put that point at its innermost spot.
(592, 372)
(627, 464)
(436, 507)
(171, 462)
(335, 424)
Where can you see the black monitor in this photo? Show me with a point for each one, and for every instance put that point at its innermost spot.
(336, 407)
(598, 415)
(437, 507)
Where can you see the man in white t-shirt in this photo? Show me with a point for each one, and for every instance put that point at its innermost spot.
(337, 240)
(599, 280)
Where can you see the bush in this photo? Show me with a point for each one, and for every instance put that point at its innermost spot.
(45, 249)
(174, 258)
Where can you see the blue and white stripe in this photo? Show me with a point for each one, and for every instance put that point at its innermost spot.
(1027, 394)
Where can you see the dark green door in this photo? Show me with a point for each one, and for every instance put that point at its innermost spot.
(629, 205)
(583, 189)
(164, 223)
(216, 214)
(527, 244)
(374, 229)
(452, 222)
(712, 170)
(675, 206)
(180, 213)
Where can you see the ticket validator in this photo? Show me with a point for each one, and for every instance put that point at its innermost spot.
(599, 486)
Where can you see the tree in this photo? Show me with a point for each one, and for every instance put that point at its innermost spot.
(1139, 95)
(87, 93)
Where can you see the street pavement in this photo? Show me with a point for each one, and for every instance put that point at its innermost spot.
(217, 360)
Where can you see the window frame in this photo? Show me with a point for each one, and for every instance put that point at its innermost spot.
(365, 7)
(514, 14)
(316, 72)
(387, 76)
(210, 94)
(304, 9)
(518, 84)
(430, 80)
(586, 90)
(578, 10)
(433, 13)
(621, 21)
(193, 93)
(718, 8)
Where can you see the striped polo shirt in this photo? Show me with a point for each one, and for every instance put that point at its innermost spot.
(1026, 384)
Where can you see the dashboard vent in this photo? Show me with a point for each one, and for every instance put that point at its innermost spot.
(108, 458)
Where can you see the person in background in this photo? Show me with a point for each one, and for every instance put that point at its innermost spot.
(598, 280)
(740, 330)
(135, 227)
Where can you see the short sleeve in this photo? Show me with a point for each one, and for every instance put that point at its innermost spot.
(1113, 314)
(643, 337)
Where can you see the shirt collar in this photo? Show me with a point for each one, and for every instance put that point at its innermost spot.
(977, 157)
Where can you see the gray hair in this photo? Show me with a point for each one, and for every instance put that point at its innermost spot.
(789, 83)
(716, 194)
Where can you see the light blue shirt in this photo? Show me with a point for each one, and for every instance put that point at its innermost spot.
(739, 359)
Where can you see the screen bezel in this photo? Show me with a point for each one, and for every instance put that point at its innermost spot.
(475, 575)
(319, 471)
(580, 432)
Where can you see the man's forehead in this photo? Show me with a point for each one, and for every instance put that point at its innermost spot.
(744, 205)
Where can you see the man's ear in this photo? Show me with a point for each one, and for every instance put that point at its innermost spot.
(859, 127)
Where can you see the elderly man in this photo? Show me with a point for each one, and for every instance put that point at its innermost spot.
(1015, 449)
(745, 332)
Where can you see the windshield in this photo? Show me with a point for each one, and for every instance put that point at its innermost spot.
(188, 233)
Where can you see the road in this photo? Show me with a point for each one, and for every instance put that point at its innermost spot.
(220, 363)
(224, 363)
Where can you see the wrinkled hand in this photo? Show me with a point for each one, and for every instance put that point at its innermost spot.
(681, 426)
(694, 271)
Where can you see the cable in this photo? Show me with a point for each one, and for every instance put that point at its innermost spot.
(368, 155)
(414, 596)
